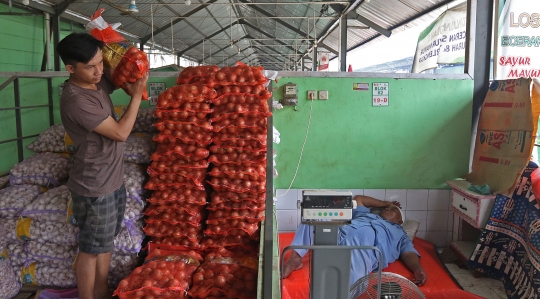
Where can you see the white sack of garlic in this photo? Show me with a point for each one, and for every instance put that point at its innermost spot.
(17, 254)
(48, 231)
(43, 169)
(51, 253)
(130, 237)
(134, 179)
(133, 210)
(51, 140)
(14, 199)
(10, 227)
(138, 148)
(9, 281)
(49, 206)
(120, 267)
(144, 121)
(46, 275)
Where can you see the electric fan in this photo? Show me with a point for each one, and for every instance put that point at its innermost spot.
(393, 286)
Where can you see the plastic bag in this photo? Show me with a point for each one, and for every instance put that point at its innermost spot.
(57, 294)
(42, 169)
(49, 206)
(15, 199)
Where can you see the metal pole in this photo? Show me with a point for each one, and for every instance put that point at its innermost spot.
(314, 59)
(51, 102)
(47, 42)
(343, 43)
(268, 245)
(18, 124)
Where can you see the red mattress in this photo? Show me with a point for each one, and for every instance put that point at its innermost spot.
(439, 285)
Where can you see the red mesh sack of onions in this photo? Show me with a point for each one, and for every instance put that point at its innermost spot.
(176, 216)
(187, 137)
(183, 242)
(229, 196)
(233, 111)
(245, 121)
(241, 95)
(235, 243)
(196, 174)
(231, 205)
(185, 155)
(226, 277)
(247, 215)
(197, 126)
(238, 159)
(173, 97)
(182, 196)
(164, 274)
(240, 74)
(241, 139)
(233, 228)
(132, 67)
(190, 112)
(189, 209)
(193, 74)
(122, 61)
(237, 185)
(193, 232)
(173, 183)
(256, 172)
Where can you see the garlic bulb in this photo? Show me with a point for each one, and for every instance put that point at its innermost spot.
(55, 232)
(120, 267)
(51, 253)
(144, 121)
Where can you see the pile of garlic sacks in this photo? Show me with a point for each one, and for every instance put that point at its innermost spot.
(41, 236)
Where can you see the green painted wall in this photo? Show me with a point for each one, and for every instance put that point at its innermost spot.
(420, 140)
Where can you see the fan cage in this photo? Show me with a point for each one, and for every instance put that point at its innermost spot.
(393, 286)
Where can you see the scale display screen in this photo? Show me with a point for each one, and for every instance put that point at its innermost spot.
(327, 205)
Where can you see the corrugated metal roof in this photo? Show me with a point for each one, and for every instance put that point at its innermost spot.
(272, 33)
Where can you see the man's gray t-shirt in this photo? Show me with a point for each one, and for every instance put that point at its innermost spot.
(98, 161)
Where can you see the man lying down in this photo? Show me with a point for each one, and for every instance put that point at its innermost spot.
(366, 229)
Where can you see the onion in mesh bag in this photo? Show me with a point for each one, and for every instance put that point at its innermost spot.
(9, 282)
(129, 238)
(43, 169)
(14, 199)
(49, 206)
(138, 148)
(50, 140)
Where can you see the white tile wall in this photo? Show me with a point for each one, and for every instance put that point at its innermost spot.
(431, 207)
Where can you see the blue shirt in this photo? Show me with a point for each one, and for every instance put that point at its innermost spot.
(368, 229)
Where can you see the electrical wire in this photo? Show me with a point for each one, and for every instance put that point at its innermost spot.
(302, 150)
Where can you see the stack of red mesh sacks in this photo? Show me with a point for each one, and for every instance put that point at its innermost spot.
(238, 179)
(179, 166)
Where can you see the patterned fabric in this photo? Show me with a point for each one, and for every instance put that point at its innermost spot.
(99, 220)
(509, 246)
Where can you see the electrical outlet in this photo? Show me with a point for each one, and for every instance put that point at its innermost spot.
(323, 94)
(311, 94)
